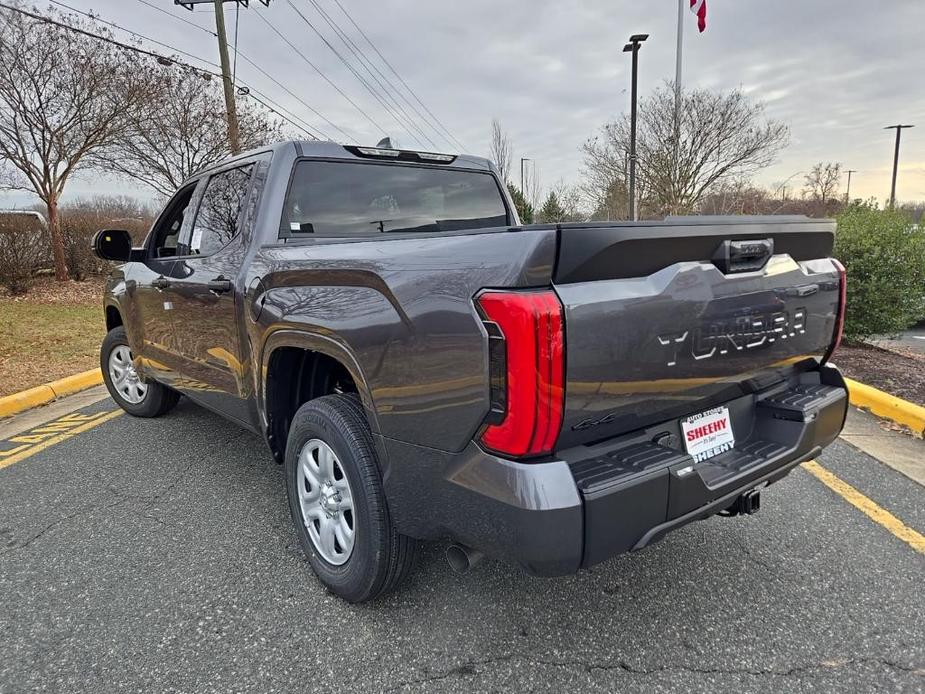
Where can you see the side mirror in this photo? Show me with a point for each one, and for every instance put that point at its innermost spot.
(113, 244)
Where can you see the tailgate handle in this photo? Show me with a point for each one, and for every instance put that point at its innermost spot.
(744, 255)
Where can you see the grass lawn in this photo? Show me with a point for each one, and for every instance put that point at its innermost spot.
(52, 332)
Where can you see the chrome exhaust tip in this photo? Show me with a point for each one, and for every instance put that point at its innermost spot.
(461, 558)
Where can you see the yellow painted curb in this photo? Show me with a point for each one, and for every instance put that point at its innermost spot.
(888, 406)
(27, 399)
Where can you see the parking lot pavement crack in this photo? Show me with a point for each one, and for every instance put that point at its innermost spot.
(470, 668)
(810, 669)
(754, 558)
(467, 669)
(55, 524)
(121, 498)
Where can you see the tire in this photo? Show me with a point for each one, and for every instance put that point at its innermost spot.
(156, 399)
(380, 557)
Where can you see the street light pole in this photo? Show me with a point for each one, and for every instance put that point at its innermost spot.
(633, 47)
(899, 129)
(523, 190)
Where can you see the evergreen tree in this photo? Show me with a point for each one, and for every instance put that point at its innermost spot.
(524, 208)
(552, 210)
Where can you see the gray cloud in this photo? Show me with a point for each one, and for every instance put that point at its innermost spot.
(553, 72)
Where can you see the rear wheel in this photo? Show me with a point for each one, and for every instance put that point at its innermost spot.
(134, 395)
(338, 504)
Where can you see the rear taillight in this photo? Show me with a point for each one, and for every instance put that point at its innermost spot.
(840, 316)
(527, 363)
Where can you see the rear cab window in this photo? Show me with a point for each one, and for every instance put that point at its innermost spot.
(357, 198)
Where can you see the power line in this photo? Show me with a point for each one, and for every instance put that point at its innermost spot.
(164, 60)
(366, 65)
(298, 52)
(395, 72)
(96, 18)
(179, 19)
(190, 55)
(251, 62)
(353, 70)
(318, 70)
(297, 98)
(370, 66)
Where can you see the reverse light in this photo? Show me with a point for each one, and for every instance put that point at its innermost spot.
(527, 344)
(842, 307)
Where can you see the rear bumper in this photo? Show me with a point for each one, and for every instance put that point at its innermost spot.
(596, 502)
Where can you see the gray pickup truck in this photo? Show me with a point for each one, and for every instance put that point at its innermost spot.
(427, 368)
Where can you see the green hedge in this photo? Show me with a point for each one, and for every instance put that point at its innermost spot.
(884, 255)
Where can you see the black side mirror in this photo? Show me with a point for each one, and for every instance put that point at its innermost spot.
(113, 244)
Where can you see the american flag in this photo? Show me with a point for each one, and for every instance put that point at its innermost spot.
(699, 8)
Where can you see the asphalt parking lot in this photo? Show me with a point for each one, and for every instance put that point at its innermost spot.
(157, 555)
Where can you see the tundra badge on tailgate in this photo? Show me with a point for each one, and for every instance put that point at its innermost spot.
(722, 337)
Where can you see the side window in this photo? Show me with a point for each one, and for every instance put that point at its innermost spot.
(166, 233)
(219, 211)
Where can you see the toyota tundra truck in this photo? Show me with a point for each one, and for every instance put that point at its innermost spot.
(426, 367)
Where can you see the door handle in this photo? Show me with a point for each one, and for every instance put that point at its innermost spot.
(219, 285)
(160, 283)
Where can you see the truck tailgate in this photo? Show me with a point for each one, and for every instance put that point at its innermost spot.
(668, 319)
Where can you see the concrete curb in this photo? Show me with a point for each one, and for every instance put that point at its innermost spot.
(27, 399)
(887, 406)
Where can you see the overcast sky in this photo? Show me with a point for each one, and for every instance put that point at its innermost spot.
(552, 72)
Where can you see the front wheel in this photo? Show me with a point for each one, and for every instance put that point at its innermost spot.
(338, 504)
(135, 396)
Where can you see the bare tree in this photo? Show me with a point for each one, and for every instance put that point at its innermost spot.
(737, 196)
(500, 151)
(821, 183)
(184, 131)
(63, 97)
(722, 136)
(571, 200)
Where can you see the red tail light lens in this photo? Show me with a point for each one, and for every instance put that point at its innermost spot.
(842, 305)
(532, 330)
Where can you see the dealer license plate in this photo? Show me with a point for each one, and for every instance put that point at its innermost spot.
(708, 434)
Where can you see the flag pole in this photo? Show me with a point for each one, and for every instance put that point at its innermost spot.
(677, 68)
(677, 92)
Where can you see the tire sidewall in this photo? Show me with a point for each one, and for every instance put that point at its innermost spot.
(355, 579)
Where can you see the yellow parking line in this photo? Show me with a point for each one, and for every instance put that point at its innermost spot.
(20, 453)
(870, 509)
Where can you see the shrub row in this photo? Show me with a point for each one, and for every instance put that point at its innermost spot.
(25, 247)
(884, 255)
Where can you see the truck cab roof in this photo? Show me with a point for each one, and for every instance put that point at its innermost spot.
(333, 150)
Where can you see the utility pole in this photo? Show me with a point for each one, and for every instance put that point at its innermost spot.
(633, 47)
(231, 110)
(848, 189)
(899, 129)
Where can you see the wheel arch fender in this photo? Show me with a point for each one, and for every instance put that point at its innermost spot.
(324, 345)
